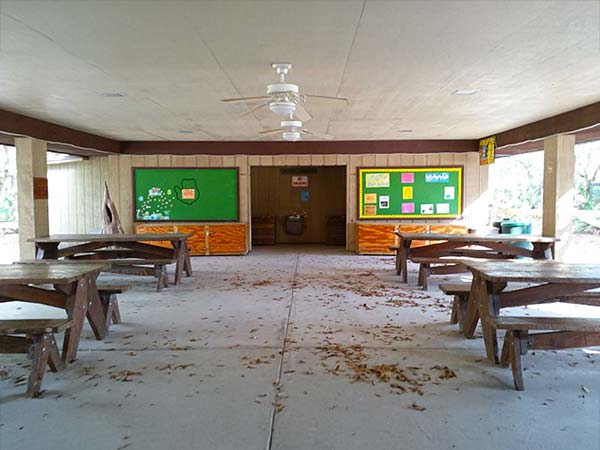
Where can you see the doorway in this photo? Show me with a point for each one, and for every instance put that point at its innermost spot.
(298, 205)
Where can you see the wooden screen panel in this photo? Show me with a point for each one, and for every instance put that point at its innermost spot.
(197, 238)
(414, 229)
(227, 239)
(156, 229)
(375, 239)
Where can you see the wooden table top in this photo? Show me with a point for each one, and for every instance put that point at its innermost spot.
(47, 273)
(58, 238)
(475, 237)
(534, 271)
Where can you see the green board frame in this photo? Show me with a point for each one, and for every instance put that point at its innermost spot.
(185, 194)
(434, 192)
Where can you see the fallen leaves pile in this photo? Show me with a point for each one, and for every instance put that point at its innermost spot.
(353, 362)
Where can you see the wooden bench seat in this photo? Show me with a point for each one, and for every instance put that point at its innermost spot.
(560, 333)
(461, 292)
(131, 266)
(110, 305)
(38, 343)
(437, 266)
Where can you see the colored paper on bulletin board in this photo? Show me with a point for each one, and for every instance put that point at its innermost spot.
(370, 198)
(487, 151)
(370, 210)
(377, 180)
(407, 177)
(430, 187)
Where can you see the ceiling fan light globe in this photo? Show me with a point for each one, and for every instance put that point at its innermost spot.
(282, 108)
(291, 136)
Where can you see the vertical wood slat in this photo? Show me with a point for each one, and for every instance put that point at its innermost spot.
(126, 212)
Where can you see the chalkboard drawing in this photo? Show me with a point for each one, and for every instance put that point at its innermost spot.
(442, 208)
(370, 210)
(427, 208)
(377, 180)
(156, 205)
(187, 192)
(449, 193)
(437, 177)
(370, 198)
(407, 177)
(384, 202)
(408, 208)
(407, 193)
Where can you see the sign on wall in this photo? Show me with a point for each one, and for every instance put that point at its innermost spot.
(299, 181)
(487, 151)
(397, 193)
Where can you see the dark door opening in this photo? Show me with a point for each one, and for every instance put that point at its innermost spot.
(298, 205)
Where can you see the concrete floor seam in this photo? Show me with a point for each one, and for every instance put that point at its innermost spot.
(282, 359)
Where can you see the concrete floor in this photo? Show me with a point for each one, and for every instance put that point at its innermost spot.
(248, 354)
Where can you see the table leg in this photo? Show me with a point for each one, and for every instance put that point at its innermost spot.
(542, 250)
(95, 312)
(404, 249)
(76, 309)
(472, 315)
(179, 256)
(188, 262)
(489, 306)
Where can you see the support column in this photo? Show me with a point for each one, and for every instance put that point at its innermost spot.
(559, 190)
(32, 192)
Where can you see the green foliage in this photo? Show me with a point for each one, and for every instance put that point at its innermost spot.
(8, 184)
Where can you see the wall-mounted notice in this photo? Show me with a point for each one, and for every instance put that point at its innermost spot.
(299, 181)
(411, 192)
(377, 180)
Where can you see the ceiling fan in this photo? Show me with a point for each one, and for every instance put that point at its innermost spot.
(283, 98)
(291, 130)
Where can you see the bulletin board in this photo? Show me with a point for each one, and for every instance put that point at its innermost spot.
(410, 193)
(185, 194)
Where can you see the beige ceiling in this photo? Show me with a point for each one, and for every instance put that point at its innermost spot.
(398, 63)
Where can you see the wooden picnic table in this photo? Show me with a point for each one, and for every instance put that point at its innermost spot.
(553, 281)
(73, 288)
(125, 246)
(441, 245)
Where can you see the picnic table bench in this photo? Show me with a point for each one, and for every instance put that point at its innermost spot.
(38, 343)
(127, 253)
(552, 281)
(441, 246)
(71, 287)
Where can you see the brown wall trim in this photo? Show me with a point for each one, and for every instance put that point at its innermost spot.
(296, 148)
(17, 124)
(578, 119)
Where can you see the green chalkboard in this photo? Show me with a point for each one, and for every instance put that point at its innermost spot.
(410, 193)
(172, 194)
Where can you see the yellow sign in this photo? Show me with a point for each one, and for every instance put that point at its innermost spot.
(487, 151)
(370, 198)
(407, 193)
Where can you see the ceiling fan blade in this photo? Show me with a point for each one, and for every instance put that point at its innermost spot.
(326, 97)
(322, 136)
(244, 99)
(301, 113)
(256, 108)
(273, 131)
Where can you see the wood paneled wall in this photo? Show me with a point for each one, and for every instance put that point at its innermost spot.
(75, 192)
(120, 180)
(273, 195)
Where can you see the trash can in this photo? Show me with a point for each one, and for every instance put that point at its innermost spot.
(294, 225)
(508, 226)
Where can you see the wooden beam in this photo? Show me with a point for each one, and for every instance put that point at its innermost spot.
(67, 138)
(302, 147)
(583, 122)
